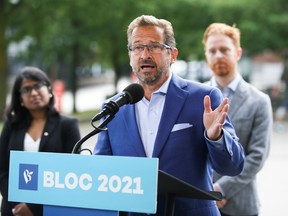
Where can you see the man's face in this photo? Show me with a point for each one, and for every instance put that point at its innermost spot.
(151, 65)
(222, 55)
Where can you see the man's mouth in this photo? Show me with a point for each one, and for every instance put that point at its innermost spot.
(146, 66)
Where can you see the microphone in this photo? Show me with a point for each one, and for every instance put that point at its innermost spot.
(130, 95)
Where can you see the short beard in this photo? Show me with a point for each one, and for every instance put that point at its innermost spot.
(229, 67)
(152, 80)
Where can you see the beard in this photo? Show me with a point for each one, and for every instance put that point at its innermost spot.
(222, 67)
(148, 77)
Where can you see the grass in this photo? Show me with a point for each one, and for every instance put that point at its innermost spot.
(84, 116)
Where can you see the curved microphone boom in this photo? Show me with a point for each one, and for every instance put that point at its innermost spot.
(130, 95)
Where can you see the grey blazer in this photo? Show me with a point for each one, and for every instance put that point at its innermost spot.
(251, 115)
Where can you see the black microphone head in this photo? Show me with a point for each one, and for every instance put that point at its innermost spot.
(134, 92)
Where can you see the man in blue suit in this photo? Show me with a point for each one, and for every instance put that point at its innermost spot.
(184, 124)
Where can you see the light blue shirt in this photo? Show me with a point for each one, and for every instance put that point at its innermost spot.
(148, 115)
(229, 90)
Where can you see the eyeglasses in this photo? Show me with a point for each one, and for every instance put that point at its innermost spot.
(153, 48)
(28, 89)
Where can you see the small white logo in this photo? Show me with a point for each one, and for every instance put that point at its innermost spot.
(27, 176)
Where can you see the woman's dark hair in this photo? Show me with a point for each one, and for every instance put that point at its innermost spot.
(17, 114)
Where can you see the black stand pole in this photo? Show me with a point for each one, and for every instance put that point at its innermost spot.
(92, 133)
(170, 204)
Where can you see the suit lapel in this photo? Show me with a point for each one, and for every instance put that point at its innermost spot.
(130, 125)
(51, 123)
(175, 99)
(238, 98)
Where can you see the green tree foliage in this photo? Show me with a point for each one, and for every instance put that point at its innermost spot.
(67, 35)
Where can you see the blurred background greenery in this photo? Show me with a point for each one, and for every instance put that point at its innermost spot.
(81, 41)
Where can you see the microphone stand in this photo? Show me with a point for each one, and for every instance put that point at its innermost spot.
(92, 133)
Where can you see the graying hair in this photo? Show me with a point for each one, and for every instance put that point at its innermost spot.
(148, 20)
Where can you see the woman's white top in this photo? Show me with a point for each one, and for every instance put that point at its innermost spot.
(30, 145)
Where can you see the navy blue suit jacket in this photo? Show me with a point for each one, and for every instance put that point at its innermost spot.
(185, 153)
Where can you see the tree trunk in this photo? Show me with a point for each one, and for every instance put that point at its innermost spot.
(73, 75)
(3, 60)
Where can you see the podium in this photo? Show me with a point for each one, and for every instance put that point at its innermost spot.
(95, 185)
(173, 187)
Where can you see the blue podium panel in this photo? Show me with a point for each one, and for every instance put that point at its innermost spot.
(84, 181)
(71, 211)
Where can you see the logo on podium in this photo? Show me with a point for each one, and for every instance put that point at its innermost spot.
(28, 177)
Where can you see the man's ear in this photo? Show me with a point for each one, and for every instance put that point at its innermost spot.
(174, 54)
(239, 53)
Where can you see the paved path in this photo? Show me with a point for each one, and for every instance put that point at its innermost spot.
(273, 178)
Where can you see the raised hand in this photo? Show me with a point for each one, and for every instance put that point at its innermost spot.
(214, 119)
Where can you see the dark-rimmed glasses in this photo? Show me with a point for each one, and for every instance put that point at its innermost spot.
(153, 48)
(28, 89)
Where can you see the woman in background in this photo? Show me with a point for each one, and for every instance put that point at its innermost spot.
(32, 124)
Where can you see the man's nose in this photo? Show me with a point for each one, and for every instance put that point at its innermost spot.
(145, 53)
(218, 54)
